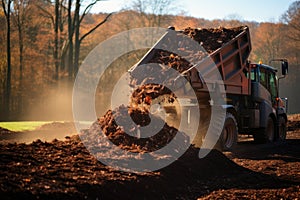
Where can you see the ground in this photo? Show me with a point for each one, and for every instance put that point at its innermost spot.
(64, 169)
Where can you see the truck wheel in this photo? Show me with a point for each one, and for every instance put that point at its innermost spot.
(265, 134)
(282, 129)
(228, 138)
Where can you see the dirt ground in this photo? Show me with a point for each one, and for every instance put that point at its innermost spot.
(64, 169)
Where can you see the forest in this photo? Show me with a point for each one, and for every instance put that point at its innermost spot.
(43, 43)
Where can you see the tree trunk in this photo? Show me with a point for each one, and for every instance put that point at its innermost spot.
(77, 42)
(7, 12)
(70, 39)
(61, 38)
(21, 51)
(56, 39)
(8, 76)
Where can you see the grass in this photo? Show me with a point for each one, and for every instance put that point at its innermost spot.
(31, 125)
(23, 125)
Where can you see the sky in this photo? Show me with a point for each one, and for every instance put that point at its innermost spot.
(249, 10)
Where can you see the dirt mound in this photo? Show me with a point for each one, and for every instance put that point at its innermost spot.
(233, 194)
(46, 132)
(6, 135)
(4, 131)
(57, 126)
(66, 170)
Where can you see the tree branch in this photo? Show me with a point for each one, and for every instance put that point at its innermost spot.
(76, 12)
(4, 9)
(87, 9)
(97, 26)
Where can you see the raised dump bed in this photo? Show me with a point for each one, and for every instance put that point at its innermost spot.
(231, 60)
(226, 49)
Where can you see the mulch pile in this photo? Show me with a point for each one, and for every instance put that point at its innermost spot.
(210, 39)
(44, 132)
(57, 126)
(66, 170)
(4, 131)
(213, 38)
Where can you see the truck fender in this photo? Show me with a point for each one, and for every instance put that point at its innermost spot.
(231, 109)
(227, 107)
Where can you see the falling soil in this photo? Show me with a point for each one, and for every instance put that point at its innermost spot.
(129, 136)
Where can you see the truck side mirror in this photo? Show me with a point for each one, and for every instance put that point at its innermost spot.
(284, 67)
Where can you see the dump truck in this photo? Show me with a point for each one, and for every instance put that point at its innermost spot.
(249, 91)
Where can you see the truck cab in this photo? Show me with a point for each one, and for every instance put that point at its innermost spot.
(265, 115)
(265, 77)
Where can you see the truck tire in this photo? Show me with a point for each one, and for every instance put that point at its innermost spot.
(265, 134)
(229, 135)
(282, 129)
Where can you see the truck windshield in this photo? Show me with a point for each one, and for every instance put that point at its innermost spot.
(263, 77)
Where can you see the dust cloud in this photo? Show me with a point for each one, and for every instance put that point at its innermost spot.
(53, 104)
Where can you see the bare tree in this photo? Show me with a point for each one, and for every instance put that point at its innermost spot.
(268, 42)
(58, 21)
(74, 22)
(152, 11)
(20, 16)
(292, 18)
(69, 50)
